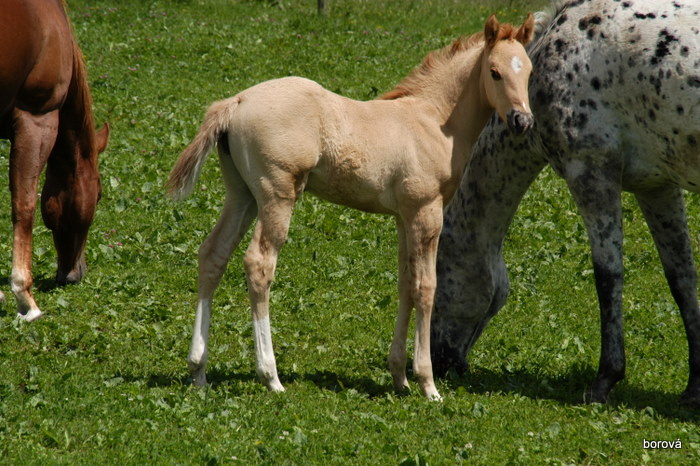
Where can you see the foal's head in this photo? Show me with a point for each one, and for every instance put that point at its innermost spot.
(505, 70)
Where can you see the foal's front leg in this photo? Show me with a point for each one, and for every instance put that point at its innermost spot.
(422, 228)
(397, 353)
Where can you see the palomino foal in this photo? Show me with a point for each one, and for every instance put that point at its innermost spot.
(402, 154)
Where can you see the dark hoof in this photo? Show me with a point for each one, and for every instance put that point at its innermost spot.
(590, 396)
(72, 277)
(443, 364)
(691, 398)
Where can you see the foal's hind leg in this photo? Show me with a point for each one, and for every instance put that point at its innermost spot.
(664, 210)
(32, 143)
(274, 215)
(237, 214)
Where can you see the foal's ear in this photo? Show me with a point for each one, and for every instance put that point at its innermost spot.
(102, 138)
(526, 31)
(491, 30)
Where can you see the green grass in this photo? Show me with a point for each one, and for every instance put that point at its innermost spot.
(102, 378)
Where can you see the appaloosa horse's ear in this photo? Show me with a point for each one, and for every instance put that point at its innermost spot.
(491, 30)
(102, 138)
(526, 31)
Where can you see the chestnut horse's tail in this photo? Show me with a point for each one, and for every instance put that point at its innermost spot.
(187, 168)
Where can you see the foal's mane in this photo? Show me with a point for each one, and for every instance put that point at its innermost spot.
(437, 59)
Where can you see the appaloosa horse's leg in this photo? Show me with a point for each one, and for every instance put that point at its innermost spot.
(33, 140)
(422, 230)
(214, 253)
(664, 210)
(274, 215)
(597, 192)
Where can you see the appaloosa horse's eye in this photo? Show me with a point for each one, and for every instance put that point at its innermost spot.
(495, 74)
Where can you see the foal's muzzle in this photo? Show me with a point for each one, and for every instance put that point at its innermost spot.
(519, 122)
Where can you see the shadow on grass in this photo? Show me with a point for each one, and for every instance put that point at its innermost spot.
(335, 382)
(568, 389)
(215, 377)
(325, 380)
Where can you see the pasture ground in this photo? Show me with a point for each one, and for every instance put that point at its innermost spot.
(102, 378)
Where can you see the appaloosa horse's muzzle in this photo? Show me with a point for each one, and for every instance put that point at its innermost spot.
(519, 122)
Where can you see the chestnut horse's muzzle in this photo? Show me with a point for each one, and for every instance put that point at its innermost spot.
(519, 122)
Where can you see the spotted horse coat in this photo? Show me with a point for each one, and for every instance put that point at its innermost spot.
(616, 94)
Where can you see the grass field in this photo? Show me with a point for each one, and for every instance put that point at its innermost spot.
(102, 378)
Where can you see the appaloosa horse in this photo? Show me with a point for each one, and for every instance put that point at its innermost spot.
(402, 154)
(616, 95)
(45, 111)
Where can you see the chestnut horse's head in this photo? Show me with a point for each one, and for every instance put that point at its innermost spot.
(505, 71)
(69, 197)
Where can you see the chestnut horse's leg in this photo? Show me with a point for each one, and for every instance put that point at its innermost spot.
(274, 215)
(422, 228)
(664, 210)
(33, 139)
(237, 214)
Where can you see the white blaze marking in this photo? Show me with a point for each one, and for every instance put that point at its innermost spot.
(517, 64)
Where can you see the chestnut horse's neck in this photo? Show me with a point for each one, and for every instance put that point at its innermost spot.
(76, 135)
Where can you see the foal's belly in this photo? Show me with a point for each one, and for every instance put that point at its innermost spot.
(351, 191)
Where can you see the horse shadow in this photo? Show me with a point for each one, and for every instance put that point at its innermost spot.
(42, 282)
(568, 389)
(216, 378)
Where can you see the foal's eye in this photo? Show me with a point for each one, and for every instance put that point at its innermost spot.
(495, 74)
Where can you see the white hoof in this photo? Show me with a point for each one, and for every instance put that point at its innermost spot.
(432, 394)
(275, 386)
(31, 315)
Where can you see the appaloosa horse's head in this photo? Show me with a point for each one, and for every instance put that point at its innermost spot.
(505, 71)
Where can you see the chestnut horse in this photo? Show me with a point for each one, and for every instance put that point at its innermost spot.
(402, 155)
(46, 113)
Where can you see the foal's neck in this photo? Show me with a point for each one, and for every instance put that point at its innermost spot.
(466, 110)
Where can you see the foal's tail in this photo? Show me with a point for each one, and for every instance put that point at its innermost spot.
(187, 168)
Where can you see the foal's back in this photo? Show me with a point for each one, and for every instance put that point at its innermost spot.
(372, 155)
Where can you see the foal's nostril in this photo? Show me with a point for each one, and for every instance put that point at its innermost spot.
(519, 122)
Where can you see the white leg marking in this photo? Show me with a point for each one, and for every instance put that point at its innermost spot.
(265, 356)
(27, 309)
(197, 359)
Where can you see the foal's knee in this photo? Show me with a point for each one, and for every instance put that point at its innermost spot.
(423, 292)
